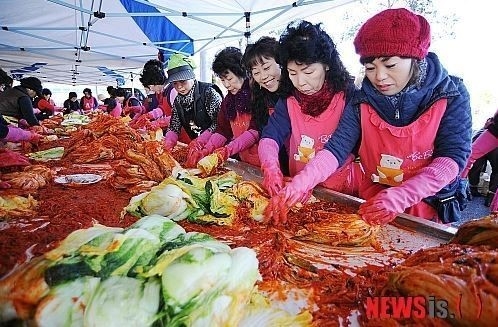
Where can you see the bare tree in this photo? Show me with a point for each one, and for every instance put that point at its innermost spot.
(442, 24)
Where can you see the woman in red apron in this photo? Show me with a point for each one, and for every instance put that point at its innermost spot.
(411, 122)
(314, 87)
(260, 61)
(235, 112)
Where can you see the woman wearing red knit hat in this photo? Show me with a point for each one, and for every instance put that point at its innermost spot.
(411, 121)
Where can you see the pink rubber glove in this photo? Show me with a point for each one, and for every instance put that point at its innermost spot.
(198, 151)
(139, 120)
(136, 109)
(385, 205)
(485, 143)
(155, 113)
(16, 134)
(243, 141)
(273, 180)
(299, 189)
(170, 140)
(215, 141)
(161, 122)
(204, 137)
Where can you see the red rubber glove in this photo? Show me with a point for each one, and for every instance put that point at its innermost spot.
(160, 123)
(10, 158)
(385, 205)
(194, 154)
(4, 185)
(299, 189)
(273, 180)
(140, 120)
(223, 153)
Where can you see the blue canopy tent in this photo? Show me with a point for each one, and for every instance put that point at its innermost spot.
(107, 42)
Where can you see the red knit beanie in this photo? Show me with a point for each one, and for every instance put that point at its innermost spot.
(394, 32)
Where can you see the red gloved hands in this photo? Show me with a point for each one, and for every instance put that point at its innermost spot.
(380, 210)
(140, 120)
(279, 205)
(273, 179)
(223, 153)
(160, 123)
(137, 110)
(35, 138)
(10, 158)
(194, 154)
(316, 171)
(4, 185)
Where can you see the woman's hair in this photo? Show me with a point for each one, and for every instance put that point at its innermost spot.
(229, 59)
(110, 89)
(46, 92)
(120, 92)
(85, 90)
(153, 73)
(306, 43)
(5, 79)
(72, 95)
(265, 47)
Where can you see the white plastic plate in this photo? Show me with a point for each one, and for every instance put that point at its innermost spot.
(81, 179)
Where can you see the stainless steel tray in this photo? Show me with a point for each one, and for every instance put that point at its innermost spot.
(439, 232)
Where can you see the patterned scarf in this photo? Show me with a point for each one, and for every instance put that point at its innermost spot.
(314, 104)
(186, 101)
(238, 102)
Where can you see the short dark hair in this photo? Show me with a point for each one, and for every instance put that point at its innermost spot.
(120, 92)
(153, 73)
(73, 95)
(229, 59)
(5, 79)
(308, 43)
(265, 47)
(46, 92)
(87, 90)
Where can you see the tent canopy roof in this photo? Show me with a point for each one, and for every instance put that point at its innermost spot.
(107, 42)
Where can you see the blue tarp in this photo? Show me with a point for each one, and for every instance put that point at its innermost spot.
(159, 29)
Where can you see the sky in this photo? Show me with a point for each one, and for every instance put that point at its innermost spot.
(469, 55)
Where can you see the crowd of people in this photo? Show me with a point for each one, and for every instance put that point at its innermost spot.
(400, 137)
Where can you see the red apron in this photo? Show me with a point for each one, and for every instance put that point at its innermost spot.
(390, 154)
(309, 135)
